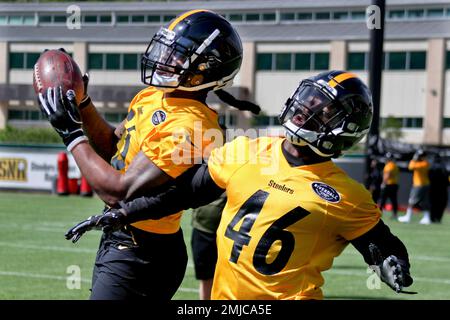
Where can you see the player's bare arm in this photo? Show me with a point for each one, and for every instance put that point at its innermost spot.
(102, 136)
(112, 185)
(192, 189)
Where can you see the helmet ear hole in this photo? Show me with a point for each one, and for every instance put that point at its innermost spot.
(196, 80)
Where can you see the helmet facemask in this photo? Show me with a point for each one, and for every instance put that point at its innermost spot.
(172, 63)
(312, 117)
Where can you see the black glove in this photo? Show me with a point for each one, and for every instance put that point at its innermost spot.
(61, 111)
(392, 271)
(110, 220)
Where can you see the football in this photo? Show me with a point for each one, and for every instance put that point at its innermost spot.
(57, 68)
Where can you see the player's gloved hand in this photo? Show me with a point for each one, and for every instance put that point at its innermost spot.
(110, 220)
(61, 111)
(392, 271)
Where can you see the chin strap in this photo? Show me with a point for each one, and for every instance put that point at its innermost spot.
(301, 143)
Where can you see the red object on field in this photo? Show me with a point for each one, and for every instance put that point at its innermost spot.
(62, 180)
(401, 207)
(73, 186)
(85, 188)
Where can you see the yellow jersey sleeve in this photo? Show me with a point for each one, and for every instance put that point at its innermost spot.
(358, 221)
(169, 146)
(225, 161)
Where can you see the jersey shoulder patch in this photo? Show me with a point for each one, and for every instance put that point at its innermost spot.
(158, 116)
(326, 192)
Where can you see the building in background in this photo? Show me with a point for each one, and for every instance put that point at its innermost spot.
(284, 41)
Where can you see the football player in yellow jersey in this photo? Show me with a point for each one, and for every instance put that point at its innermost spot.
(419, 195)
(389, 187)
(163, 135)
(290, 209)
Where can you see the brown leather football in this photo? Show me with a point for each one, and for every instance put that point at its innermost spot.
(56, 68)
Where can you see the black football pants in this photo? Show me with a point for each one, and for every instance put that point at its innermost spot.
(132, 264)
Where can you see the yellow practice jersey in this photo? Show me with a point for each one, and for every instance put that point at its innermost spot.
(282, 226)
(391, 172)
(171, 133)
(420, 172)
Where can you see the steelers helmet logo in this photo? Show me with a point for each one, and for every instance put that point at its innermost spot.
(158, 117)
(326, 192)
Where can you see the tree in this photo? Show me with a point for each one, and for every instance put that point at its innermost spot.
(391, 128)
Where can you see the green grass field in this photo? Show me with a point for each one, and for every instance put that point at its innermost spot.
(35, 257)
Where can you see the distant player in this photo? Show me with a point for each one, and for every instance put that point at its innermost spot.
(420, 192)
(389, 187)
(290, 209)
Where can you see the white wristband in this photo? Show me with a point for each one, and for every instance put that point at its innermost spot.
(75, 142)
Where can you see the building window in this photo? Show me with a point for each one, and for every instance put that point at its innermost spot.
(396, 14)
(252, 17)
(130, 61)
(412, 122)
(3, 20)
(287, 16)
(95, 61)
(356, 61)
(168, 18)
(446, 123)
(45, 19)
(30, 115)
(59, 19)
(302, 61)
(90, 19)
(283, 61)
(264, 61)
(16, 60)
(123, 19)
(321, 61)
(340, 15)
(31, 58)
(114, 117)
(28, 20)
(304, 16)
(435, 13)
(417, 13)
(447, 60)
(417, 60)
(265, 121)
(112, 61)
(322, 15)
(269, 16)
(15, 20)
(154, 19)
(137, 19)
(23, 60)
(397, 61)
(358, 15)
(105, 19)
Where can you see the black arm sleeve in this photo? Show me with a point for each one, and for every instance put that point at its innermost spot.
(381, 236)
(192, 189)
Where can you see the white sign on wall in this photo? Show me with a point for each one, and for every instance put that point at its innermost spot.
(22, 168)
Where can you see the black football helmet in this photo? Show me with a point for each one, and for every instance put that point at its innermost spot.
(198, 49)
(329, 112)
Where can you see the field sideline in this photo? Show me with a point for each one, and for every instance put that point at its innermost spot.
(35, 257)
